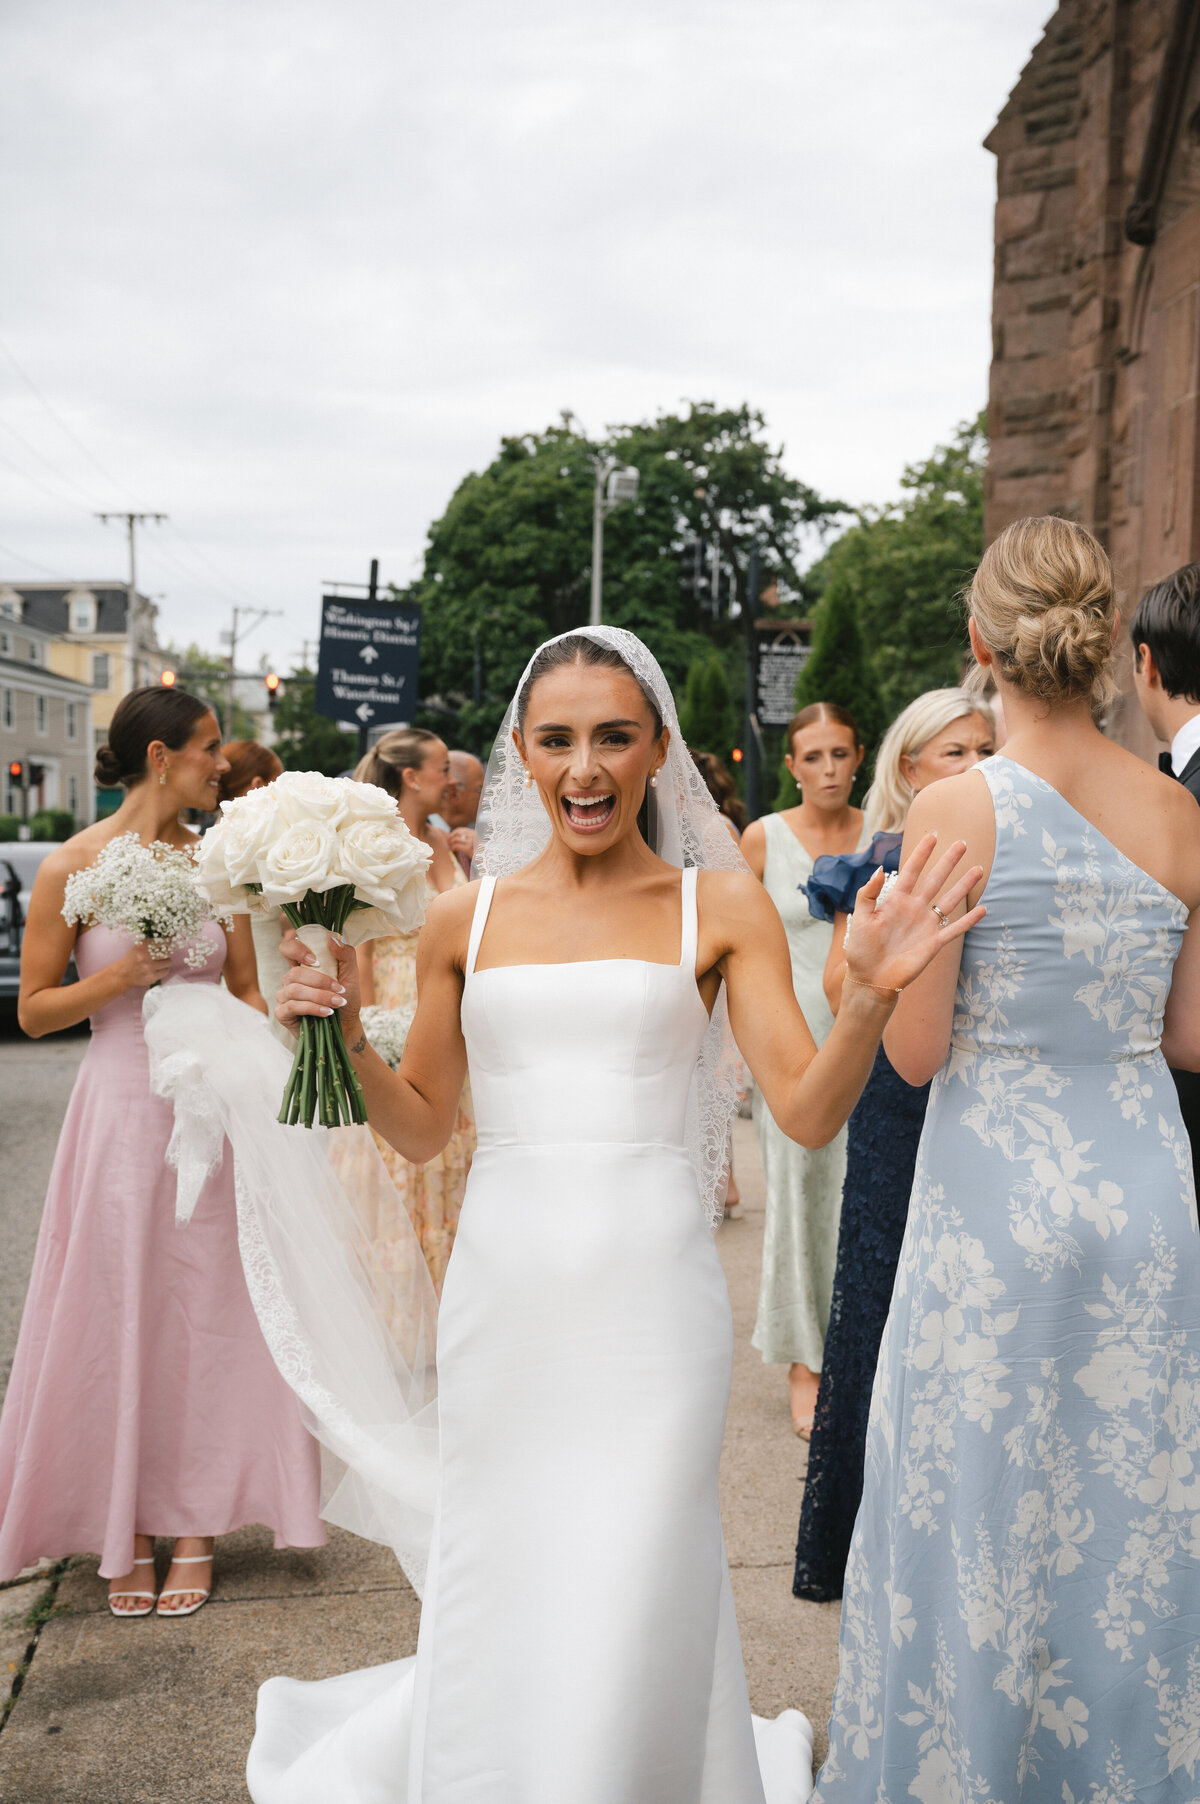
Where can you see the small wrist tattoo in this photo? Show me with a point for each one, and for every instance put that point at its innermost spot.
(360, 1045)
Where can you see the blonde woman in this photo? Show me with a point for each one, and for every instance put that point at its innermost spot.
(804, 1186)
(1023, 1589)
(414, 766)
(938, 735)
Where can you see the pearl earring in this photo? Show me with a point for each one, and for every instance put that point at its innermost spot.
(654, 779)
(528, 778)
(162, 779)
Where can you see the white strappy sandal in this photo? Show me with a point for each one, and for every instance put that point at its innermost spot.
(186, 1559)
(145, 1560)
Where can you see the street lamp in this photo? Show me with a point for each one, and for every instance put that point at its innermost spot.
(615, 482)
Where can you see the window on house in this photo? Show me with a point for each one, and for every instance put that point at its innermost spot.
(9, 610)
(40, 713)
(35, 652)
(83, 614)
(73, 795)
(72, 720)
(8, 710)
(100, 676)
(5, 645)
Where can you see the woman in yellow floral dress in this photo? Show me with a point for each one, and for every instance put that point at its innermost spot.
(413, 765)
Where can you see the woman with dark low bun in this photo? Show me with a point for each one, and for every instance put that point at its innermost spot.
(143, 1401)
(1022, 1599)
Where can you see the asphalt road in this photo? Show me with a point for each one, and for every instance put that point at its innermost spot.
(162, 1712)
(35, 1083)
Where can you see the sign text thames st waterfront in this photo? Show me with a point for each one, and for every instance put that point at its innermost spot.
(369, 662)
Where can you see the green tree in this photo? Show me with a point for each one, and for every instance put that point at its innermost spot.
(509, 562)
(904, 567)
(838, 670)
(708, 716)
(206, 674)
(304, 739)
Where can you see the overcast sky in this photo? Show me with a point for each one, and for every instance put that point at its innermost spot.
(287, 271)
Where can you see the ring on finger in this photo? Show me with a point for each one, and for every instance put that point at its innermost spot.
(943, 918)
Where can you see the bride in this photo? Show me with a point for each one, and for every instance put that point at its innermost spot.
(578, 1642)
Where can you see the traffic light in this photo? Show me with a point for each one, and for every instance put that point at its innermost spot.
(737, 754)
(16, 772)
(168, 679)
(34, 774)
(272, 682)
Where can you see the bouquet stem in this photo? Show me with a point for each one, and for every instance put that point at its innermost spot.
(322, 1085)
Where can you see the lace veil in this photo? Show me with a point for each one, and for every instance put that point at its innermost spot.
(686, 828)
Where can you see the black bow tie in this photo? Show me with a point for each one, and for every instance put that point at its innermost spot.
(1165, 765)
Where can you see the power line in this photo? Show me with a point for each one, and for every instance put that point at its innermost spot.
(62, 476)
(74, 437)
(39, 484)
(6, 551)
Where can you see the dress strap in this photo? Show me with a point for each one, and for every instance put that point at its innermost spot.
(691, 919)
(483, 903)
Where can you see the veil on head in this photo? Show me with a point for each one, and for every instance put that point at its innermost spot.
(686, 829)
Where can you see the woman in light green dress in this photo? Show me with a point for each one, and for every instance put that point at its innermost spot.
(804, 1189)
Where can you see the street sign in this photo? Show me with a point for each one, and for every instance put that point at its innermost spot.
(782, 653)
(369, 662)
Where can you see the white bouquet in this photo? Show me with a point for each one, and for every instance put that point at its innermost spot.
(331, 856)
(149, 891)
(387, 1030)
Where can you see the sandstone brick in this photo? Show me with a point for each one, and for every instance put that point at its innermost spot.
(1041, 254)
(1018, 215)
(1042, 334)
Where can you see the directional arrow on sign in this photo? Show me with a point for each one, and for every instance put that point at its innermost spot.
(368, 654)
(365, 712)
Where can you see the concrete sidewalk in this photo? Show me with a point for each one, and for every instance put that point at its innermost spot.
(161, 1712)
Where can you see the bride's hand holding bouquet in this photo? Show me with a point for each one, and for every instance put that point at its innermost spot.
(335, 860)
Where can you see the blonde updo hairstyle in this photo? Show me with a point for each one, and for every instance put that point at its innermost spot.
(890, 796)
(1044, 603)
(405, 748)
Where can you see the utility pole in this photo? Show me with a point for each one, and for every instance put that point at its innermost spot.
(749, 610)
(615, 483)
(132, 522)
(240, 632)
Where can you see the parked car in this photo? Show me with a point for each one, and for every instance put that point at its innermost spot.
(19, 861)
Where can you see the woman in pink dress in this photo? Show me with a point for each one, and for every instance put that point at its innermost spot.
(143, 1400)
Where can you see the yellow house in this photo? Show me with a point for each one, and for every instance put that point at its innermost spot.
(100, 634)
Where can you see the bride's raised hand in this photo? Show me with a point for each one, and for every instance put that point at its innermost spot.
(305, 990)
(890, 942)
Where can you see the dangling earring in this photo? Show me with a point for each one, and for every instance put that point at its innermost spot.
(528, 778)
(799, 784)
(162, 779)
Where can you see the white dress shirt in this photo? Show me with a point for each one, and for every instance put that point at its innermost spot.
(1185, 745)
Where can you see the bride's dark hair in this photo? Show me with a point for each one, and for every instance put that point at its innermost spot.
(577, 648)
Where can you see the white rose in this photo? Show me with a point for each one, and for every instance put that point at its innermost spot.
(387, 867)
(302, 858)
(305, 795)
(367, 802)
(212, 875)
(248, 826)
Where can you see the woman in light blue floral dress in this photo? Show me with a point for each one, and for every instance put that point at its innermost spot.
(1021, 1622)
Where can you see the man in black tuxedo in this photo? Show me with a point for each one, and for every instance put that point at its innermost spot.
(1165, 630)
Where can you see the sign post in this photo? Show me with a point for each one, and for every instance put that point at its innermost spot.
(369, 662)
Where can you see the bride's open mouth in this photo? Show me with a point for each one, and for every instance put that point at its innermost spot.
(589, 814)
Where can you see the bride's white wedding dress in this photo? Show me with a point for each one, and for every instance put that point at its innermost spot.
(578, 1643)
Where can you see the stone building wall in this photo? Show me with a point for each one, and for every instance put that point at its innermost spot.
(1093, 405)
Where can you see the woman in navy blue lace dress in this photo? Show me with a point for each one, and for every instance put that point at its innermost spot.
(942, 732)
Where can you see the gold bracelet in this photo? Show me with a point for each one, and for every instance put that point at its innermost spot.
(878, 988)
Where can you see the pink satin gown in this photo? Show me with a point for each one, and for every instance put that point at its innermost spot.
(143, 1397)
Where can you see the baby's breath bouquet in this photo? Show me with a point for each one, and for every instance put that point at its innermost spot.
(331, 856)
(148, 891)
(387, 1030)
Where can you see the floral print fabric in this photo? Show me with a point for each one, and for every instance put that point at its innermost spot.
(432, 1193)
(1022, 1610)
